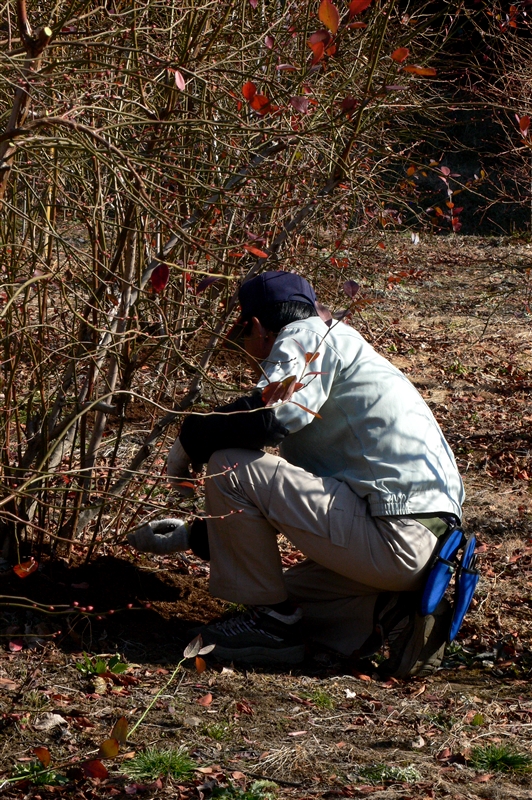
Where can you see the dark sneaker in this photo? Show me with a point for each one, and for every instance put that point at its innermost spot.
(258, 636)
(417, 643)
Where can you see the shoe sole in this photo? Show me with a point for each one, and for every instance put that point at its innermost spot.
(261, 655)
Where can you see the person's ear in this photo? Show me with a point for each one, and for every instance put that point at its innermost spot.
(258, 331)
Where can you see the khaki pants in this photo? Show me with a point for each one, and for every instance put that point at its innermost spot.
(351, 556)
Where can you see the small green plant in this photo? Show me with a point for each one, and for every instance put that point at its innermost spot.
(259, 790)
(36, 774)
(153, 763)
(97, 666)
(35, 701)
(320, 698)
(217, 731)
(382, 773)
(499, 758)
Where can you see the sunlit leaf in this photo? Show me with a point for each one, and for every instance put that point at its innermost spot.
(119, 731)
(411, 170)
(400, 55)
(351, 288)
(201, 666)
(109, 748)
(94, 769)
(300, 104)
(192, 649)
(329, 15)
(43, 754)
(249, 90)
(255, 251)
(260, 103)
(159, 277)
(207, 649)
(310, 357)
(428, 72)
(25, 568)
(206, 700)
(358, 6)
(179, 80)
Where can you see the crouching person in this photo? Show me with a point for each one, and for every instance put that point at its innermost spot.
(364, 485)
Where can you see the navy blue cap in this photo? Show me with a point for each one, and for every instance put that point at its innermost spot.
(273, 287)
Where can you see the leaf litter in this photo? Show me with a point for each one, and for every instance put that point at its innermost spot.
(454, 314)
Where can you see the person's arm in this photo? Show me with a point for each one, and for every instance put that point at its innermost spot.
(253, 428)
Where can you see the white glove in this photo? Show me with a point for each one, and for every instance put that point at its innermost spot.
(177, 468)
(162, 536)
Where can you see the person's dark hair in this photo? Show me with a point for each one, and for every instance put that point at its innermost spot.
(275, 317)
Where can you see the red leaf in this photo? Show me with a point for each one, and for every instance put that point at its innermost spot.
(159, 277)
(348, 103)
(249, 90)
(25, 568)
(428, 72)
(253, 3)
(109, 748)
(445, 171)
(329, 15)
(524, 124)
(179, 80)
(320, 36)
(201, 666)
(260, 103)
(351, 288)
(15, 645)
(269, 41)
(95, 769)
(401, 54)
(318, 49)
(300, 104)
(310, 357)
(255, 251)
(358, 6)
(243, 707)
(205, 283)
(43, 754)
(119, 731)
(206, 700)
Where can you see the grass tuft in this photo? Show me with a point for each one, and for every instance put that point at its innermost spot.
(382, 773)
(153, 763)
(499, 758)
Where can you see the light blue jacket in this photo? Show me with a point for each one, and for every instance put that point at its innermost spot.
(374, 430)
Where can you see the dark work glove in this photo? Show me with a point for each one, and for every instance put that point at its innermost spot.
(202, 434)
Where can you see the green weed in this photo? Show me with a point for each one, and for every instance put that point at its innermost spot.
(499, 758)
(153, 763)
(259, 790)
(36, 774)
(97, 666)
(382, 773)
(217, 731)
(320, 698)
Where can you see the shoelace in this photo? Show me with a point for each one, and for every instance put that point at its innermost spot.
(241, 624)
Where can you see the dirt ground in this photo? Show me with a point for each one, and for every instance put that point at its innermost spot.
(454, 314)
